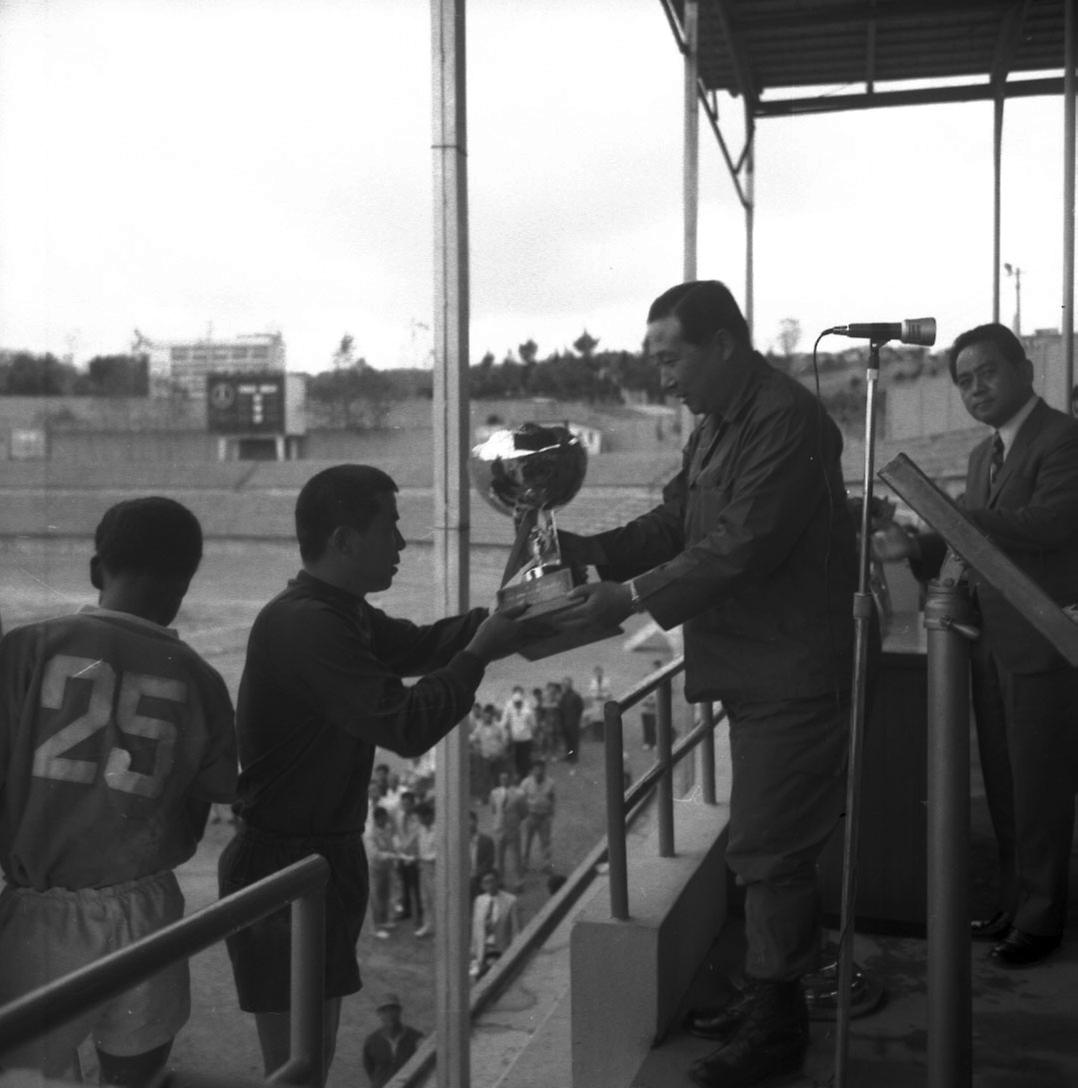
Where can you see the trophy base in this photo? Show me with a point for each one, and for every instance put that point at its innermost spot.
(545, 597)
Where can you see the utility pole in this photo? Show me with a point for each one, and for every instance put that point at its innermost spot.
(1016, 272)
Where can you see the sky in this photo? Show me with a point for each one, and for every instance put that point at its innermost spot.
(193, 168)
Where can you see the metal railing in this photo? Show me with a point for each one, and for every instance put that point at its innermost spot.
(301, 884)
(660, 775)
(620, 814)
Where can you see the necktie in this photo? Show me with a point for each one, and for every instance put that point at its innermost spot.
(997, 459)
(488, 924)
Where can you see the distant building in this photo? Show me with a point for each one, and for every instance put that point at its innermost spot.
(184, 364)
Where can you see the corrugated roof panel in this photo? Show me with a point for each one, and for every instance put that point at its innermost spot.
(799, 43)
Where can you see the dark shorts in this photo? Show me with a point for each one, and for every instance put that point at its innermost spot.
(261, 953)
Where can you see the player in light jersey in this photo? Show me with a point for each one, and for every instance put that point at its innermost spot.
(115, 738)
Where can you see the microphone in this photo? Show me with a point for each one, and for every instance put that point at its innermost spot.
(918, 330)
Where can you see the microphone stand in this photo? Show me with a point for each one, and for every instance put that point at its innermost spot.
(862, 613)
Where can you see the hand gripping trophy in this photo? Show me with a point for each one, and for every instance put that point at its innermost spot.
(527, 472)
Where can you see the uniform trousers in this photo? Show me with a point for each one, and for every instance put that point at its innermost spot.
(1027, 735)
(788, 793)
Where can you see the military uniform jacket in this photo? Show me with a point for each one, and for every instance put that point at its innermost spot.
(752, 548)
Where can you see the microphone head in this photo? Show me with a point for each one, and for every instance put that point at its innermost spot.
(919, 330)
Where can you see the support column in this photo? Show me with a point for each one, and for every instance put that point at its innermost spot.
(691, 157)
(948, 616)
(451, 528)
(997, 198)
(1066, 322)
(750, 222)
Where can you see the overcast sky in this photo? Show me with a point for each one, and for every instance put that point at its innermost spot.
(252, 165)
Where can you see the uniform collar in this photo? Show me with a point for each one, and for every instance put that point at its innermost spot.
(325, 590)
(128, 618)
(739, 381)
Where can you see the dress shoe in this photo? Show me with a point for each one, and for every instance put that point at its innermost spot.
(770, 1040)
(1020, 949)
(722, 1022)
(991, 929)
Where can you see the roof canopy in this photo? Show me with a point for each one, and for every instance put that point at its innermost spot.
(752, 48)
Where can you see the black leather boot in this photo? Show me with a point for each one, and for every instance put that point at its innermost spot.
(721, 1023)
(771, 1038)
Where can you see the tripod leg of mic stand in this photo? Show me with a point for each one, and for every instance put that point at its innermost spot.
(949, 1012)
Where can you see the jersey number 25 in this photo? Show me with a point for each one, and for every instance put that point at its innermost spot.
(49, 758)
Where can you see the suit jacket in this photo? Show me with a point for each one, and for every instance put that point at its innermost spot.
(753, 548)
(505, 924)
(1031, 513)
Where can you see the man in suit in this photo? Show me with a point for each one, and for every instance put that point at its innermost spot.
(753, 550)
(1022, 491)
(495, 922)
(480, 851)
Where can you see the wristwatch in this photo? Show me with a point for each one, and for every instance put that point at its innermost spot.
(634, 596)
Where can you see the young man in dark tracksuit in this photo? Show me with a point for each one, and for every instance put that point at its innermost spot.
(321, 690)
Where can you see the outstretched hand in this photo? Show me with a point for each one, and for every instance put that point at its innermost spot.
(500, 634)
(596, 604)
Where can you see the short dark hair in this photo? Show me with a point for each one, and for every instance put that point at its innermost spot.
(152, 535)
(342, 495)
(702, 307)
(993, 333)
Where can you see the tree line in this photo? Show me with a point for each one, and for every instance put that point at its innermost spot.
(24, 374)
(355, 395)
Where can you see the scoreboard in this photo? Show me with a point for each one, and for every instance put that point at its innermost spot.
(250, 404)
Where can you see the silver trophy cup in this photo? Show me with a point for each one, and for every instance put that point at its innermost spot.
(528, 472)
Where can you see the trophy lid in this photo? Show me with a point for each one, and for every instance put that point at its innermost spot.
(531, 467)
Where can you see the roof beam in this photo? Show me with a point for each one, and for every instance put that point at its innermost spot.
(1007, 42)
(870, 51)
(855, 13)
(922, 96)
(746, 84)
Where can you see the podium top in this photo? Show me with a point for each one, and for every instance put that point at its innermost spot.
(1017, 588)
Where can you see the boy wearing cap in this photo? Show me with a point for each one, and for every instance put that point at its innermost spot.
(389, 1047)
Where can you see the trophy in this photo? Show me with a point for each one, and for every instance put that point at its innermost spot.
(527, 473)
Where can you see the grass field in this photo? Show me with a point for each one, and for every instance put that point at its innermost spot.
(43, 578)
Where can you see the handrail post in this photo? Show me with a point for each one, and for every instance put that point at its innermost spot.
(707, 755)
(307, 1039)
(665, 787)
(615, 811)
(948, 619)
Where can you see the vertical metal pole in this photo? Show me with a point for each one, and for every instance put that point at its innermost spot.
(997, 197)
(690, 178)
(615, 812)
(949, 1000)
(664, 790)
(1066, 324)
(307, 1043)
(862, 612)
(750, 213)
(706, 754)
(451, 529)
